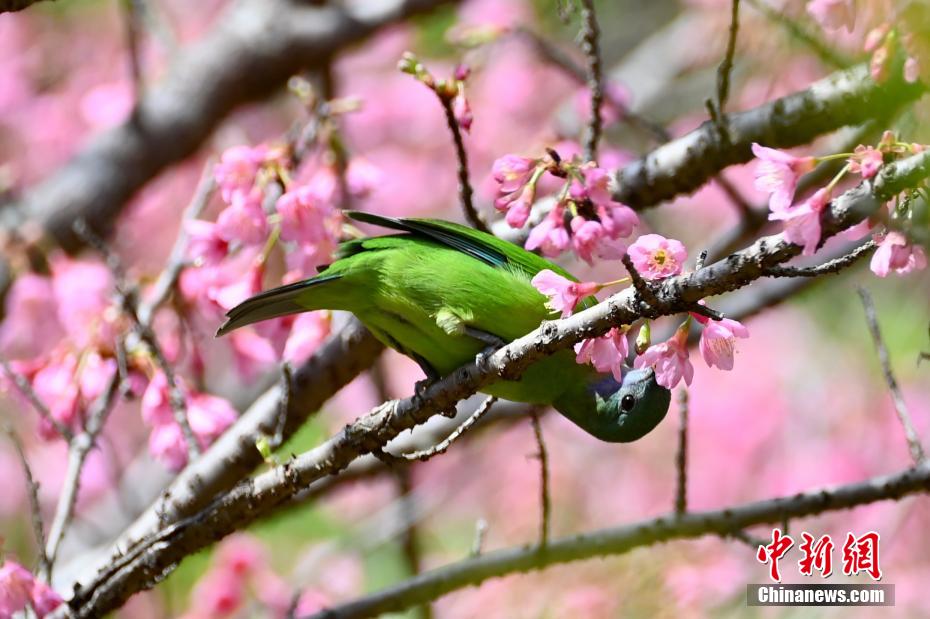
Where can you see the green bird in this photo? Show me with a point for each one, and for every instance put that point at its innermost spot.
(441, 294)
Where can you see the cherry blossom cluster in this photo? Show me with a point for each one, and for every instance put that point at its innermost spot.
(300, 228)
(585, 217)
(884, 41)
(20, 590)
(654, 257)
(241, 582)
(778, 173)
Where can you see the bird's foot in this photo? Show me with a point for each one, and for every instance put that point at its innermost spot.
(493, 342)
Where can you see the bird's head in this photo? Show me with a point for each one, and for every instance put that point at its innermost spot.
(617, 412)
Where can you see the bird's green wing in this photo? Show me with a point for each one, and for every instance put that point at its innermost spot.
(479, 245)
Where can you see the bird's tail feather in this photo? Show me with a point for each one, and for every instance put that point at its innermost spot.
(273, 303)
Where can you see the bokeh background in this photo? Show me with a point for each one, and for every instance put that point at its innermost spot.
(804, 407)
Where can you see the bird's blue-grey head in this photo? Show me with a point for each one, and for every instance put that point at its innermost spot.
(617, 412)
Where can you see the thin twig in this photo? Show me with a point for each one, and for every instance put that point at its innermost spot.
(443, 445)
(129, 301)
(619, 540)
(833, 266)
(25, 389)
(544, 501)
(410, 536)
(825, 52)
(681, 456)
(641, 286)
(32, 489)
(177, 260)
(590, 45)
(913, 440)
(465, 189)
(77, 454)
(131, 15)
(284, 405)
(555, 56)
(726, 66)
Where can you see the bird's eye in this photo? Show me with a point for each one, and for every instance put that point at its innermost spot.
(626, 404)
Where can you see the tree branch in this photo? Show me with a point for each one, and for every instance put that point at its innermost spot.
(254, 48)
(619, 540)
(150, 560)
(683, 165)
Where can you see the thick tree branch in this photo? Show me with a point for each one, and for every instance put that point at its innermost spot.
(255, 47)
(683, 165)
(619, 540)
(234, 455)
(150, 560)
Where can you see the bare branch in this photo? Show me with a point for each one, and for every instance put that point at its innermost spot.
(32, 491)
(913, 440)
(726, 66)
(465, 189)
(25, 389)
(444, 445)
(252, 51)
(681, 455)
(831, 266)
(683, 165)
(149, 560)
(590, 45)
(77, 454)
(168, 278)
(545, 505)
(729, 522)
(129, 304)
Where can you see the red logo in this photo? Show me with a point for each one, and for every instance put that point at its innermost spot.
(860, 554)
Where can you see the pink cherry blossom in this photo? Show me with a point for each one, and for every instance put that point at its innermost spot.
(205, 243)
(309, 331)
(221, 593)
(83, 290)
(866, 161)
(590, 240)
(209, 416)
(656, 257)
(802, 222)
(513, 172)
(563, 293)
(777, 174)
(57, 387)
(833, 14)
(44, 598)
(252, 353)
(244, 220)
(156, 401)
(606, 353)
(15, 588)
(236, 172)
(550, 236)
(462, 112)
(618, 220)
(518, 211)
(241, 554)
(718, 342)
(31, 326)
(362, 177)
(306, 216)
(896, 253)
(669, 360)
